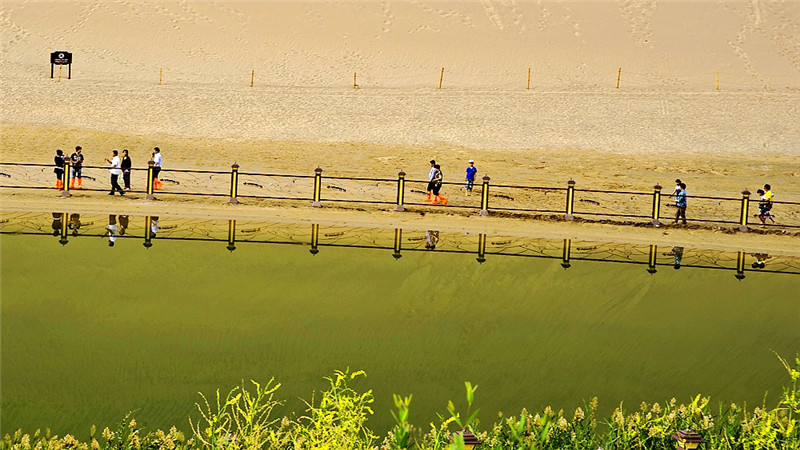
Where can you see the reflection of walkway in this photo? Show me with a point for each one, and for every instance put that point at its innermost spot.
(398, 241)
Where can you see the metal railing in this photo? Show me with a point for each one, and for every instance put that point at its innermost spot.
(568, 202)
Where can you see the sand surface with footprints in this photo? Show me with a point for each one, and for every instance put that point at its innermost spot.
(178, 75)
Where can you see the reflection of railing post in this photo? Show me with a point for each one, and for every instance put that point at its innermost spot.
(150, 196)
(570, 200)
(231, 235)
(401, 187)
(481, 248)
(398, 239)
(745, 210)
(651, 259)
(64, 228)
(485, 196)
(234, 184)
(740, 266)
(565, 254)
(314, 239)
(656, 205)
(65, 177)
(317, 188)
(148, 233)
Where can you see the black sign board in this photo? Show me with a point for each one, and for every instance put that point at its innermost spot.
(61, 58)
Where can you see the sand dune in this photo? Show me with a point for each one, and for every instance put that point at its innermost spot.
(666, 119)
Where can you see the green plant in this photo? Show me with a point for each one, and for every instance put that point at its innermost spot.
(242, 420)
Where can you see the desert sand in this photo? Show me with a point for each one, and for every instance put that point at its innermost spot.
(708, 92)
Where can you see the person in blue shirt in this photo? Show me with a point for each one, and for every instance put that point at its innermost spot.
(471, 171)
(680, 203)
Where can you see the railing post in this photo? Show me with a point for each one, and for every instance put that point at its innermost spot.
(485, 196)
(231, 235)
(651, 259)
(398, 240)
(65, 193)
(570, 199)
(401, 188)
(740, 266)
(745, 210)
(314, 239)
(234, 184)
(148, 233)
(64, 229)
(481, 248)
(317, 188)
(150, 196)
(656, 205)
(565, 254)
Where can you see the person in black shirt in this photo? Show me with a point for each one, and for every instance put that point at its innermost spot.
(58, 160)
(77, 165)
(126, 169)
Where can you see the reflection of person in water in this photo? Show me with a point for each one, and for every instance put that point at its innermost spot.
(74, 223)
(153, 226)
(123, 225)
(761, 259)
(431, 239)
(56, 223)
(677, 254)
(111, 230)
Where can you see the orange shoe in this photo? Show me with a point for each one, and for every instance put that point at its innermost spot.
(443, 200)
(72, 183)
(428, 198)
(80, 184)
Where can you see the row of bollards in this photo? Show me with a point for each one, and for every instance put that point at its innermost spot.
(400, 202)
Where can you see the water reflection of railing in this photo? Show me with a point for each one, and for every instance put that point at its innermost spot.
(567, 202)
(151, 229)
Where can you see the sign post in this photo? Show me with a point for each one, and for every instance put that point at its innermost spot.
(61, 59)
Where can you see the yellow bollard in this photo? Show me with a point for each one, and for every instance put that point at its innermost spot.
(740, 266)
(570, 200)
(745, 212)
(529, 79)
(441, 77)
(65, 193)
(656, 205)
(355, 86)
(234, 184)
(717, 78)
(619, 75)
(401, 187)
(252, 77)
(317, 188)
(150, 165)
(485, 196)
(159, 76)
(651, 259)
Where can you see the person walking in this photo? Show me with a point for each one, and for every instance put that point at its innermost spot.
(470, 180)
(438, 180)
(126, 169)
(77, 166)
(431, 175)
(680, 202)
(115, 170)
(156, 168)
(764, 207)
(58, 160)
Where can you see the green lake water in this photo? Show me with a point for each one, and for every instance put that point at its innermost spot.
(90, 332)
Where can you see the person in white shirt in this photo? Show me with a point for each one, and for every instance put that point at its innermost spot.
(431, 176)
(156, 168)
(115, 171)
